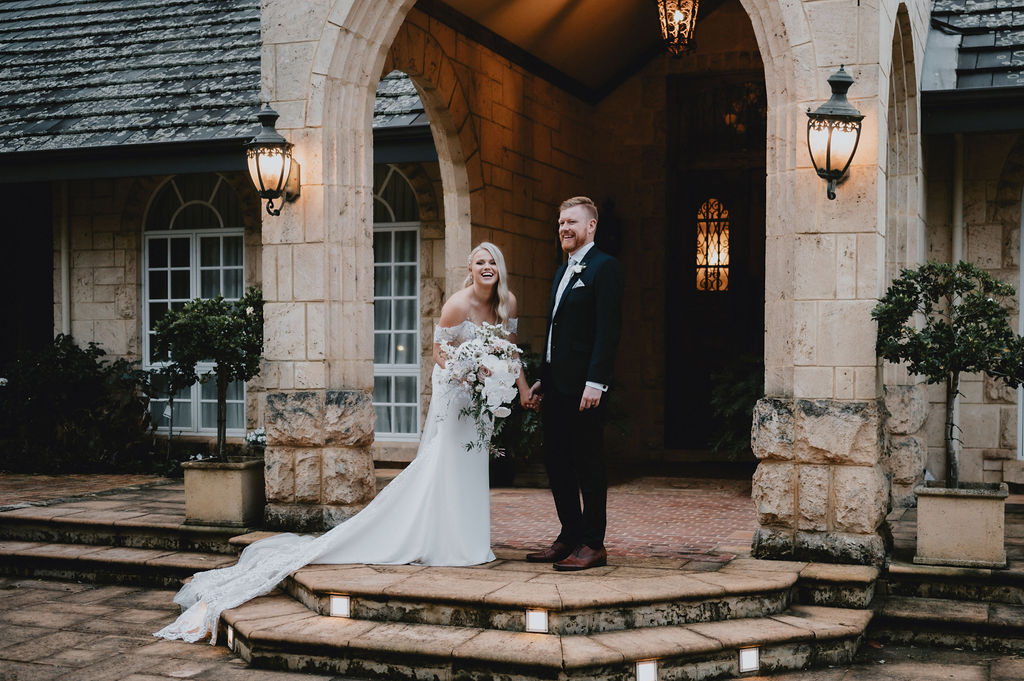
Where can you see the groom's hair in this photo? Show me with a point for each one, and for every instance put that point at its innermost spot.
(584, 201)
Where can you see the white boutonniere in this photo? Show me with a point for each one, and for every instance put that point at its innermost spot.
(578, 268)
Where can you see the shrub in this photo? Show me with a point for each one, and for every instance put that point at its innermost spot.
(64, 409)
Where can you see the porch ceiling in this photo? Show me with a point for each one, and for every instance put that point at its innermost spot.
(592, 44)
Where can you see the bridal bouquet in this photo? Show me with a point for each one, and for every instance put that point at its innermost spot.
(487, 365)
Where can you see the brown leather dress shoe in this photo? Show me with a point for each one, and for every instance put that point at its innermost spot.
(583, 558)
(557, 552)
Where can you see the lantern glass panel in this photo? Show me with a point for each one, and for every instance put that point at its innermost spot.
(817, 140)
(844, 142)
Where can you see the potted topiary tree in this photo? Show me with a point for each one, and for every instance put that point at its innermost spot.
(229, 335)
(942, 320)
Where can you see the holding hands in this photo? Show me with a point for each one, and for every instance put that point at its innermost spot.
(531, 399)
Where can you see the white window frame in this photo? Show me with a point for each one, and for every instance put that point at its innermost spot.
(195, 279)
(394, 370)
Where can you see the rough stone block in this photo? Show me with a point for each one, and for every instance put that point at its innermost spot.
(349, 418)
(907, 454)
(814, 493)
(773, 544)
(348, 476)
(295, 418)
(839, 547)
(903, 495)
(773, 492)
(771, 434)
(307, 476)
(861, 495)
(828, 431)
(1008, 427)
(906, 407)
(998, 391)
(279, 473)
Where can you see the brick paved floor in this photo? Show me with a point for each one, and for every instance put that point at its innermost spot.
(654, 517)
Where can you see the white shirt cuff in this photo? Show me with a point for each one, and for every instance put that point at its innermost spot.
(600, 386)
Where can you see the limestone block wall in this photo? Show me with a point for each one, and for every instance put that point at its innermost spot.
(993, 181)
(105, 221)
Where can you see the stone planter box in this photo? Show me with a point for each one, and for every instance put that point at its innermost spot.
(228, 494)
(961, 527)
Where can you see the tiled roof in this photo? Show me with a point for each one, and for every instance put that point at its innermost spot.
(397, 103)
(991, 49)
(102, 73)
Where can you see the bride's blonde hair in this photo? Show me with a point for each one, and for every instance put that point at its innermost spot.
(500, 297)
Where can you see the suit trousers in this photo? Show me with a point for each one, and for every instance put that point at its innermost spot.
(575, 462)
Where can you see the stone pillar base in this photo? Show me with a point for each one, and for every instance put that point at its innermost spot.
(824, 547)
(307, 517)
(820, 489)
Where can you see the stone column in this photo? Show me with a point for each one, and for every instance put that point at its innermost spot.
(320, 65)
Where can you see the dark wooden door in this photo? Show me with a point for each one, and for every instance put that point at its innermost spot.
(714, 316)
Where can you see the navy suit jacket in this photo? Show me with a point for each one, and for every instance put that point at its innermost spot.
(586, 327)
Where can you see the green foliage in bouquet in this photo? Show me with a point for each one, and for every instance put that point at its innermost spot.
(942, 320)
(225, 333)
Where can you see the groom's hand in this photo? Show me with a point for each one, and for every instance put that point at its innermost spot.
(591, 398)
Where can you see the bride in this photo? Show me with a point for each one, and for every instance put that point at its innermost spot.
(435, 512)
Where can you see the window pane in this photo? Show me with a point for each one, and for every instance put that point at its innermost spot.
(156, 313)
(158, 252)
(383, 419)
(209, 248)
(405, 420)
(405, 389)
(233, 284)
(405, 314)
(180, 252)
(233, 251)
(405, 349)
(382, 348)
(236, 390)
(210, 286)
(158, 285)
(180, 288)
(208, 415)
(382, 247)
(236, 415)
(208, 390)
(382, 280)
(405, 247)
(405, 280)
(381, 315)
(381, 389)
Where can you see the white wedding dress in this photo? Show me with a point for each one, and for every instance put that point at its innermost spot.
(435, 512)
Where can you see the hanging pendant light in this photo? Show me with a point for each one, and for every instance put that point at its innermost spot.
(678, 20)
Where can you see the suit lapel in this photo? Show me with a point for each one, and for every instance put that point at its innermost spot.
(572, 280)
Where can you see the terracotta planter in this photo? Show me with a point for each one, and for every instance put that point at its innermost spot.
(229, 494)
(962, 527)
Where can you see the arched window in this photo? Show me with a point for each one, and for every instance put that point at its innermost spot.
(712, 246)
(396, 306)
(192, 248)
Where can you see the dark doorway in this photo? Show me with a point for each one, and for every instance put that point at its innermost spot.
(28, 273)
(714, 316)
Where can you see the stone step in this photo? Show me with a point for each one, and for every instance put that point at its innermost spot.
(950, 623)
(497, 597)
(384, 476)
(278, 632)
(955, 583)
(105, 564)
(109, 523)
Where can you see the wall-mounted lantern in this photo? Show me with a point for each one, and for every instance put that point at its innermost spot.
(678, 20)
(271, 167)
(833, 131)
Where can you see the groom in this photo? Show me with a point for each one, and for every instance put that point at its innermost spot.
(584, 322)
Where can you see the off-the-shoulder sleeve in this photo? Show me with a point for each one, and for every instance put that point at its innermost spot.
(445, 334)
(512, 325)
